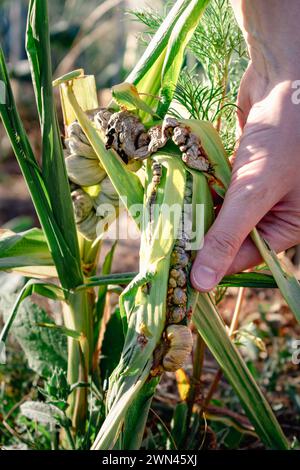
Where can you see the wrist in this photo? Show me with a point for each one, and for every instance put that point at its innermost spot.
(271, 30)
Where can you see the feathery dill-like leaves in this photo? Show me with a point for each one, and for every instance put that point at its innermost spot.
(218, 43)
(200, 100)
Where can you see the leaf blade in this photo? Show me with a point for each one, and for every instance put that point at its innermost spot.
(53, 163)
(179, 38)
(65, 262)
(212, 329)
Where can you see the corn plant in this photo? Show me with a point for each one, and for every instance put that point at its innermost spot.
(138, 151)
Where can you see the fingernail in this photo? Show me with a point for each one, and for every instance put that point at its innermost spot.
(204, 278)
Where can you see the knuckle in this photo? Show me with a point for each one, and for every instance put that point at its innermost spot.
(224, 243)
(250, 194)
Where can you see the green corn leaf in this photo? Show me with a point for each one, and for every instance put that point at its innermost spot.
(202, 195)
(136, 417)
(63, 330)
(178, 426)
(146, 74)
(64, 260)
(50, 291)
(67, 77)
(53, 162)
(102, 291)
(105, 271)
(230, 422)
(126, 95)
(212, 329)
(254, 280)
(180, 37)
(24, 249)
(287, 283)
(108, 435)
(110, 279)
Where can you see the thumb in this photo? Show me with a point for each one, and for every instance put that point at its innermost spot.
(242, 209)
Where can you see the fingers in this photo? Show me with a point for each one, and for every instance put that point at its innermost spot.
(246, 258)
(279, 236)
(239, 214)
(248, 255)
(247, 200)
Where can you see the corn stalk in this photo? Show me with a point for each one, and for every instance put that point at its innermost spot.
(79, 311)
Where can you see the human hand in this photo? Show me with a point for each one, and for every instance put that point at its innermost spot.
(264, 189)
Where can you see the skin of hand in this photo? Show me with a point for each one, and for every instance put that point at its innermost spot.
(265, 186)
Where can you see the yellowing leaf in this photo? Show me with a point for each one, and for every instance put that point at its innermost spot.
(183, 384)
(127, 96)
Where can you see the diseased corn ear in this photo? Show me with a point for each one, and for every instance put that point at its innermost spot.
(126, 183)
(88, 226)
(108, 189)
(214, 150)
(77, 147)
(180, 346)
(102, 199)
(83, 205)
(83, 171)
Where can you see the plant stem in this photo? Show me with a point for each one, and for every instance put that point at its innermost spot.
(70, 438)
(212, 390)
(237, 310)
(224, 85)
(77, 316)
